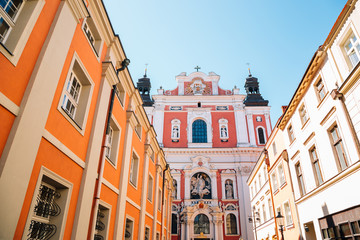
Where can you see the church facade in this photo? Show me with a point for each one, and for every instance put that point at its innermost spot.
(211, 138)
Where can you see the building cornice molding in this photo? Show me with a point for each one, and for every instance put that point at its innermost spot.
(79, 9)
(245, 150)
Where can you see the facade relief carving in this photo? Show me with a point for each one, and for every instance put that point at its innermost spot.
(200, 186)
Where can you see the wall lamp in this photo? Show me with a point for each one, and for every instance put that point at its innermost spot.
(124, 64)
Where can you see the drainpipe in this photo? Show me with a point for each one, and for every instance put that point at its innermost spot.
(162, 200)
(124, 64)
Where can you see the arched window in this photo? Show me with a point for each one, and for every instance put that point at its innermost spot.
(201, 224)
(261, 135)
(200, 186)
(175, 130)
(174, 223)
(229, 189)
(231, 224)
(199, 131)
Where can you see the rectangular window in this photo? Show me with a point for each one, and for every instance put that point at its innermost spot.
(316, 166)
(134, 169)
(120, 93)
(112, 142)
(102, 220)
(150, 188)
(157, 236)
(288, 217)
(147, 233)
(300, 178)
(338, 148)
(281, 174)
(92, 35)
(274, 148)
(274, 182)
(159, 197)
(270, 208)
(320, 90)
(290, 131)
(264, 212)
(8, 13)
(352, 49)
(265, 173)
(47, 216)
(77, 91)
(129, 226)
(71, 96)
(303, 114)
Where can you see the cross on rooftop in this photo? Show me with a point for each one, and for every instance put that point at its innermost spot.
(197, 68)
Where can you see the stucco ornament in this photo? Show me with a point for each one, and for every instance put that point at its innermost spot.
(200, 185)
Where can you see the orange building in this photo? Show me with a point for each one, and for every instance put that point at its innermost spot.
(79, 158)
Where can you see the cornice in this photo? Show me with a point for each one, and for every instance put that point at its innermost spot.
(79, 9)
(246, 150)
(304, 85)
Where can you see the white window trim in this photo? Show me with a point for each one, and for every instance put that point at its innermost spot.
(280, 165)
(135, 185)
(284, 214)
(13, 54)
(175, 123)
(258, 137)
(224, 123)
(114, 154)
(227, 212)
(61, 181)
(96, 51)
(107, 220)
(152, 189)
(133, 227)
(81, 128)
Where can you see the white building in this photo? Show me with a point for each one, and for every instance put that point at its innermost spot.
(322, 130)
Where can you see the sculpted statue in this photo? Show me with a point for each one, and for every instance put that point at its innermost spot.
(200, 185)
(229, 189)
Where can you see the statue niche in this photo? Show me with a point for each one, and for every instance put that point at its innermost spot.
(200, 186)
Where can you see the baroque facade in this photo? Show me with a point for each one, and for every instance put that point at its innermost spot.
(211, 138)
(79, 158)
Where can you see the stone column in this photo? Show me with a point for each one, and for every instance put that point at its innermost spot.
(251, 129)
(241, 128)
(124, 175)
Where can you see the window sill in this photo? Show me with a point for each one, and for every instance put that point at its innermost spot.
(322, 100)
(224, 140)
(133, 185)
(283, 185)
(199, 145)
(72, 121)
(305, 124)
(276, 191)
(110, 162)
(175, 140)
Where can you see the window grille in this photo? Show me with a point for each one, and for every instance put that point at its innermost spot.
(199, 131)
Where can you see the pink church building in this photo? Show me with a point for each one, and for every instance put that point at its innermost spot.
(211, 138)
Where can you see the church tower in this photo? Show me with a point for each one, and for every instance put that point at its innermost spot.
(144, 86)
(212, 138)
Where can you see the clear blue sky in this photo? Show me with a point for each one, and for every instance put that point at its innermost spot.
(278, 38)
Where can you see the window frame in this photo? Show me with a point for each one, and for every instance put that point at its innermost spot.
(303, 114)
(291, 133)
(348, 39)
(85, 97)
(150, 191)
(134, 156)
(291, 223)
(115, 143)
(107, 213)
(92, 31)
(322, 90)
(258, 135)
(274, 182)
(22, 26)
(235, 224)
(65, 189)
(132, 227)
(204, 138)
(281, 174)
(300, 176)
(339, 141)
(223, 123)
(315, 161)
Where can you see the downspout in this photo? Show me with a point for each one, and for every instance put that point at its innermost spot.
(162, 199)
(124, 64)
